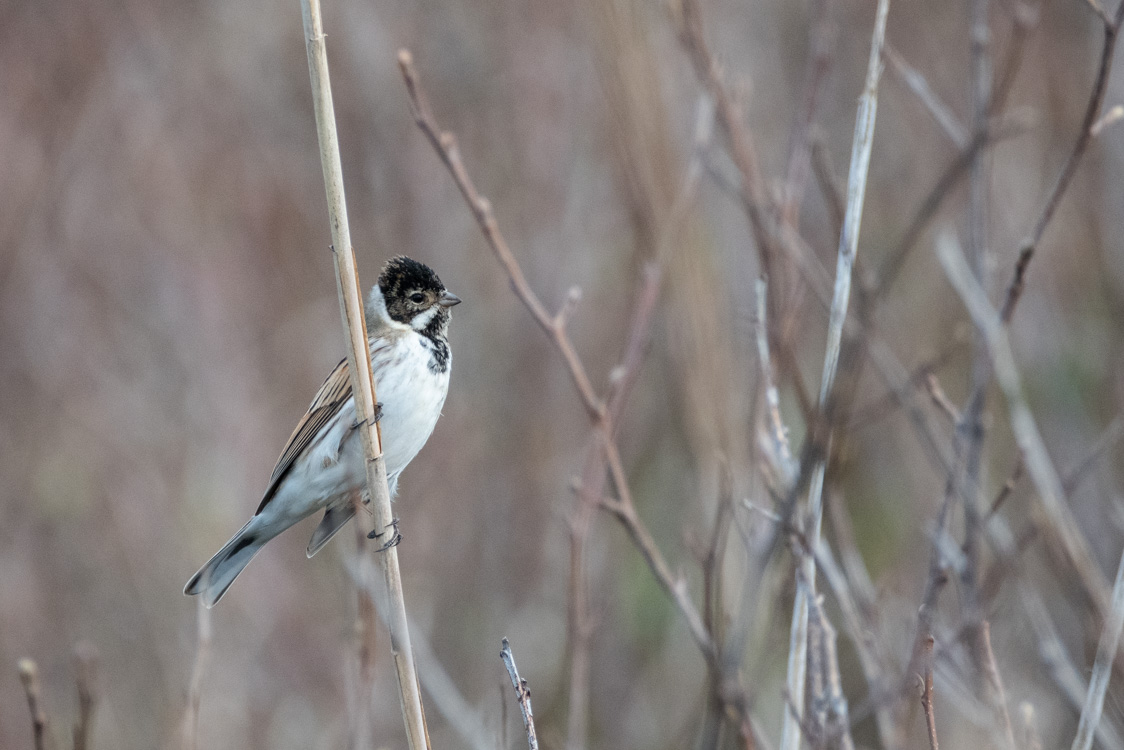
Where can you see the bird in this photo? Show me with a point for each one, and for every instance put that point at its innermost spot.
(322, 465)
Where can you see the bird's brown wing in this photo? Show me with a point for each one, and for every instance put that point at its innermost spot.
(332, 395)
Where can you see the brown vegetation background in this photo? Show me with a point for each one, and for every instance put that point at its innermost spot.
(167, 309)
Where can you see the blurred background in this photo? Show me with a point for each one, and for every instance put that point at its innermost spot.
(168, 309)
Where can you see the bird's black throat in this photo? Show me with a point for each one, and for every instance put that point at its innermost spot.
(437, 332)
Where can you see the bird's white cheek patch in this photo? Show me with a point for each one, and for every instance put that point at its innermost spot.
(422, 319)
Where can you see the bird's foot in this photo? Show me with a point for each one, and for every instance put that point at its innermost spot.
(392, 532)
(377, 419)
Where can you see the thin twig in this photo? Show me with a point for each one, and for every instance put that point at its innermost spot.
(1060, 667)
(773, 234)
(366, 639)
(995, 680)
(753, 193)
(675, 587)
(1113, 116)
(862, 633)
(1051, 494)
(886, 405)
(445, 144)
(40, 725)
(848, 248)
(1026, 17)
(444, 695)
(807, 731)
(822, 41)
(522, 694)
(940, 398)
(927, 694)
(895, 260)
(1102, 445)
(917, 83)
(780, 454)
(1033, 740)
(935, 582)
(362, 383)
(969, 440)
(190, 728)
(1102, 667)
(1084, 136)
(85, 661)
(439, 686)
(824, 170)
(1008, 486)
(835, 724)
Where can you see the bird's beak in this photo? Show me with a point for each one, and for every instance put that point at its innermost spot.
(448, 299)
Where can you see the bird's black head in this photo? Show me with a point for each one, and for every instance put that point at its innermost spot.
(415, 296)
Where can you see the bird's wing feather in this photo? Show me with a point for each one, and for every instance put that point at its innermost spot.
(332, 395)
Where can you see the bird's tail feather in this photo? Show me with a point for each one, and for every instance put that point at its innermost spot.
(334, 520)
(214, 578)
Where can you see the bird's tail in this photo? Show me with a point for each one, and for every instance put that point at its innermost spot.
(214, 578)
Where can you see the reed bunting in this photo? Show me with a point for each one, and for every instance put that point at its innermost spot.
(322, 466)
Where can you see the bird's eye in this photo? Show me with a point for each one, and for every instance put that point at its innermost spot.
(417, 298)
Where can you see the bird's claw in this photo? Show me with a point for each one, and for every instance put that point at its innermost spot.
(377, 418)
(392, 531)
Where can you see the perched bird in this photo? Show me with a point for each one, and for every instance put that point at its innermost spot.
(322, 466)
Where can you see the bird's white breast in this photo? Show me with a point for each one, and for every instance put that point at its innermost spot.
(410, 393)
(332, 467)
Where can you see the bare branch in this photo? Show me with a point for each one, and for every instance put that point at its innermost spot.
(580, 622)
(445, 144)
(1060, 667)
(601, 414)
(1008, 486)
(1102, 667)
(780, 453)
(822, 38)
(40, 725)
(522, 694)
(969, 440)
(995, 681)
(360, 695)
(861, 632)
(1084, 136)
(86, 662)
(927, 694)
(940, 398)
(1051, 493)
(190, 727)
(753, 193)
(1114, 115)
(824, 170)
(443, 692)
(949, 179)
(848, 248)
(827, 694)
(1103, 444)
(1033, 740)
(918, 84)
(675, 587)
